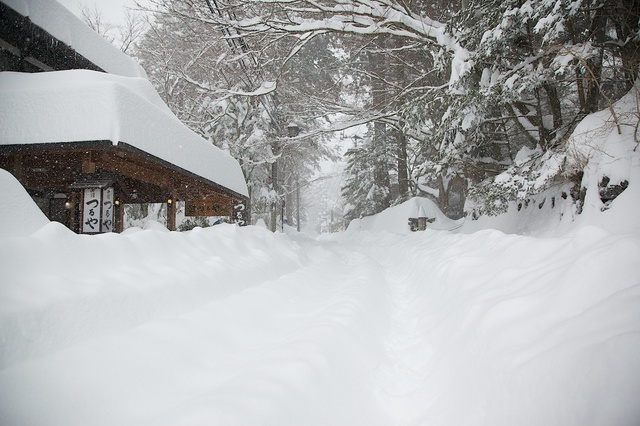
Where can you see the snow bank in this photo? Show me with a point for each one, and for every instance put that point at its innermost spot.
(495, 329)
(602, 145)
(396, 219)
(81, 105)
(223, 325)
(546, 214)
(86, 286)
(229, 325)
(609, 145)
(19, 216)
(54, 18)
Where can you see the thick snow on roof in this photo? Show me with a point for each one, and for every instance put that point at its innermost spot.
(54, 18)
(81, 105)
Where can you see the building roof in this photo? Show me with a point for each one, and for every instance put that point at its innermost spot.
(63, 25)
(81, 105)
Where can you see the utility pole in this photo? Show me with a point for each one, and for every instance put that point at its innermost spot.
(251, 72)
(274, 184)
(298, 203)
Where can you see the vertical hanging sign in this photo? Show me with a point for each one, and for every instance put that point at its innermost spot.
(239, 213)
(91, 210)
(107, 210)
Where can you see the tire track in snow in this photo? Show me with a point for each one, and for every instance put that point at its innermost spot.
(399, 382)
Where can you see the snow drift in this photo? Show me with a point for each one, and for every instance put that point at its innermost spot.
(19, 216)
(395, 219)
(228, 325)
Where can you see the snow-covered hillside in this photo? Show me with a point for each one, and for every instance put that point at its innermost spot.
(470, 324)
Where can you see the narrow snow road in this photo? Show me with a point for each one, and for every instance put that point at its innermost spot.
(232, 326)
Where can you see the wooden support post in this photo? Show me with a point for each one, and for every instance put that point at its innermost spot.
(73, 211)
(119, 217)
(171, 213)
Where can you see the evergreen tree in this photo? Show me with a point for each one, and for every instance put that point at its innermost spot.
(537, 71)
(367, 186)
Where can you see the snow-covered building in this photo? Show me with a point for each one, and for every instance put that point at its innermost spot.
(92, 134)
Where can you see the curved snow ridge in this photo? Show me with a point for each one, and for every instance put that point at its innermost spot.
(93, 288)
(20, 216)
(396, 219)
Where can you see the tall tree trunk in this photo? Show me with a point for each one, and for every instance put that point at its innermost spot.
(403, 172)
(594, 66)
(442, 195)
(556, 110)
(626, 17)
(380, 170)
(377, 68)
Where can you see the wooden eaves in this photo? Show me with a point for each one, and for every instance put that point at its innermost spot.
(141, 177)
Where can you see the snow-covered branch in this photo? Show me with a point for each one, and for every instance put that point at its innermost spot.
(306, 18)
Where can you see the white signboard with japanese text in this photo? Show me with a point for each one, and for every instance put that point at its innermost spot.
(91, 207)
(107, 210)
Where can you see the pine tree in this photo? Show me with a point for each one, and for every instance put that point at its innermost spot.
(537, 70)
(367, 186)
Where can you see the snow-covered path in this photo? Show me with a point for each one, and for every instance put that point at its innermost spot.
(297, 348)
(233, 326)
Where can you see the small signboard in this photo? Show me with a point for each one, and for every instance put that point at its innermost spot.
(208, 207)
(239, 213)
(91, 209)
(107, 209)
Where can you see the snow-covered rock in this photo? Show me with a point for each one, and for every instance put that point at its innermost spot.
(396, 218)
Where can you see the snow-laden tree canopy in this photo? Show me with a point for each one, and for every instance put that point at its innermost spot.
(457, 90)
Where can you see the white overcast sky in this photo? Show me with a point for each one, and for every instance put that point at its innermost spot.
(112, 10)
